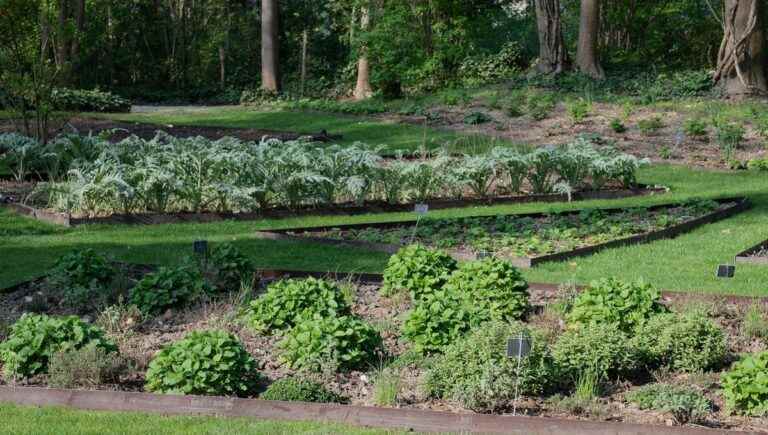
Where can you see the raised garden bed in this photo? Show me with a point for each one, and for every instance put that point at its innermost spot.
(528, 239)
(69, 220)
(757, 254)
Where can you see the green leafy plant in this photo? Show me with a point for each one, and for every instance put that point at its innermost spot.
(695, 127)
(87, 367)
(729, 136)
(287, 302)
(477, 118)
(82, 276)
(602, 349)
(203, 363)
(418, 270)
(344, 342)
(686, 404)
(231, 267)
(650, 126)
(436, 321)
(492, 288)
(475, 372)
(745, 386)
(300, 390)
(578, 109)
(540, 105)
(81, 100)
(689, 343)
(34, 339)
(611, 301)
(167, 288)
(617, 126)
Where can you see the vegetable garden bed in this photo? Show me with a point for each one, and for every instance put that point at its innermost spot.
(545, 237)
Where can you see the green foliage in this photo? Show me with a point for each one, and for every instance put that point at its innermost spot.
(540, 105)
(436, 321)
(34, 339)
(475, 371)
(617, 126)
(755, 324)
(231, 267)
(611, 301)
(300, 390)
(287, 302)
(343, 342)
(80, 100)
(491, 68)
(745, 386)
(695, 127)
(82, 276)
(87, 367)
(418, 270)
(598, 348)
(758, 165)
(168, 288)
(729, 136)
(689, 343)
(492, 288)
(211, 363)
(578, 109)
(477, 118)
(386, 387)
(651, 125)
(22, 155)
(686, 404)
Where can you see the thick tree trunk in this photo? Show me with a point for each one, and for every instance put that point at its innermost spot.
(222, 66)
(80, 27)
(553, 57)
(589, 30)
(270, 73)
(741, 61)
(363, 88)
(62, 48)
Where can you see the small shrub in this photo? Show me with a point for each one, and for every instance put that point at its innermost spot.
(81, 100)
(617, 126)
(755, 324)
(34, 339)
(437, 321)
(729, 136)
(203, 363)
(688, 343)
(346, 342)
(416, 269)
(169, 287)
(686, 404)
(758, 165)
(300, 390)
(694, 127)
(386, 387)
(745, 386)
(492, 288)
(477, 118)
(651, 125)
(610, 301)
(602, 349)
(539, 106)
(87, 367)
(578, 109)
(288, 301)
(81, 268)
(231, 267)
(475, 371)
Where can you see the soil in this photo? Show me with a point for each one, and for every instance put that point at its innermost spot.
(560, 128)
(148, 131)
(139, 340)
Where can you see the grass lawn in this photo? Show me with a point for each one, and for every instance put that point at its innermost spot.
(354, 129)
(61, 421)
(687, 263)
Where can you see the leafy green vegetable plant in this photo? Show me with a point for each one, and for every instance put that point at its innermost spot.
(230, 267)
(686, 404)
(436, 321)
(418, 270)
(168, 287)
(745, 386)
(295, 389)
(600, 348)
(34, 339)
(203, 363)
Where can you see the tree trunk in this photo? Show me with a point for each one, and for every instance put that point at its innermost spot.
(304, 52)
(741, 60)
(589, 30)
(363, 88)
(553, 57)
(270, 74)
(80, 27)
(222, 66)
(62, 49)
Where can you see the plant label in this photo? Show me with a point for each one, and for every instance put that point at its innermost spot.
(518, 347)
(421, 209)
(726, 271)
(482, 255)
(200, 247)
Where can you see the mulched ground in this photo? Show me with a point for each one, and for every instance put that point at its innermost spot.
(140, 339)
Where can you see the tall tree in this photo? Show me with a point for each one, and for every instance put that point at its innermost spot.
(589, 29)
(553, 57)
(270, 45)
(363, 88)
(741, 60)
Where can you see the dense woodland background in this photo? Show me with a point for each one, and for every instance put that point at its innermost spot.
(208, 49)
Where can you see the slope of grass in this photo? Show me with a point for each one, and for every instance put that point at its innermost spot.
(61, 421)
(28, 249)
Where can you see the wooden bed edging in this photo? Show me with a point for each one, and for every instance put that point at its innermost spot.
(407, 419)
(745, 256)
(742, 204)
(339, 210)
